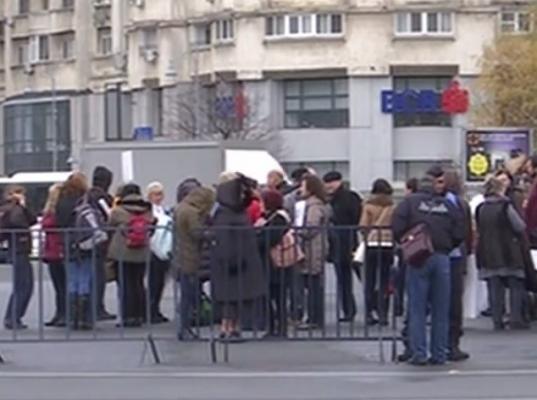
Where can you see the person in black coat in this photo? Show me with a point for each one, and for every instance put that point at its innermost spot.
(18, 218)
(101, 200)
(346, 212)
(236, 268)
(276, 226)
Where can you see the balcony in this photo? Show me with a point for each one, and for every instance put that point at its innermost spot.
(43, 22)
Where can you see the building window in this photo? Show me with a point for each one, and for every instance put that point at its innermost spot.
(149, 38)
(405, 170)
(45, 5)
(24, 6)
(68, 4)
(224, 30)
(33, 132)
(39, 48)
(20, 54)
(438, 84)
(201, 35)
(316, 103)
(66, 46)
(104, 41)
(304, 25)
(424, 23)
(515, 22)
(118, 115)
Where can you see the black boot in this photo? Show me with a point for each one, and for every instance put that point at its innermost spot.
(74, 314)
(86, 323)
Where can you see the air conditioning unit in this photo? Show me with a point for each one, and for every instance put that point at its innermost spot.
(150, 55)
(137, 3)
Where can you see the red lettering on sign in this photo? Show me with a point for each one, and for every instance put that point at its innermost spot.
(455, 100)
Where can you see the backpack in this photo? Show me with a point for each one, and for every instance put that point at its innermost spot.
(287, 253)
(89, 225)
(137, 232)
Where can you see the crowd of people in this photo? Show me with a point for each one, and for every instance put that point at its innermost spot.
(271, 244)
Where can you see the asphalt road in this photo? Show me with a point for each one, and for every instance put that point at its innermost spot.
(503, 366)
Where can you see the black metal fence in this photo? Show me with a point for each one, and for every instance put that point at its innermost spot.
(230, 284)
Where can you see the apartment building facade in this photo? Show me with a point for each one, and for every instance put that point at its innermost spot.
(354, 85)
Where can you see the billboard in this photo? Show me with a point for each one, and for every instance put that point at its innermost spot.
(489, 149)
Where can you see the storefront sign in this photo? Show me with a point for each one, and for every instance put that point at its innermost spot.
(453, 100)
(488, 150)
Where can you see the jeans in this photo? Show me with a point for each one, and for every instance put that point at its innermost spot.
(312, 289)
(189, 300)
(80, 277)
(429, 284)
(156, 282)
(516, 299)
(59, 281)
(343, 267)
(23, 287)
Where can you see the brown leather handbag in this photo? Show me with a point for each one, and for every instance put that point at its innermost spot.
(417, 246)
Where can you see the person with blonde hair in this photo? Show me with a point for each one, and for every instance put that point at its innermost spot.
(53, 255)
(18, 218)
(161, 247)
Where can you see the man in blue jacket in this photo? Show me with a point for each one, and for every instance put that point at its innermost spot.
(430, 283)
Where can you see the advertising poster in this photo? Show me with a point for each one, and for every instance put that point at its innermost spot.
(489, 149)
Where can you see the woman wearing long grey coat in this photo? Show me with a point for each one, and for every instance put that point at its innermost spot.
(237, 275)
(314, 238)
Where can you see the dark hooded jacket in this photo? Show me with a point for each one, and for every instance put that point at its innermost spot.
(236, 267)
(102, 180)
(444, 221)
(346, 211)
(190, 218)
(130, 206)
(66, 220)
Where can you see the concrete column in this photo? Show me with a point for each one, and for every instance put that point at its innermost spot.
(371, 133)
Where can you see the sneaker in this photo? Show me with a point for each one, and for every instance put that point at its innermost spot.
(52, 322)
(19, 326)
(418, 362)
(458, 355)
(405, 357)
(105, 316)
(436, 363)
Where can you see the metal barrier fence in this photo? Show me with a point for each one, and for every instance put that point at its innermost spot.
(230, 284)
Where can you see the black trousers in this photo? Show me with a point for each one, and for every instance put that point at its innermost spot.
(157, 282)
(132, 291)
(59, 282)
(517, 291)
(344, 268)
(456, 309)
(280, 288)
(377, 276)
(100, 284)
